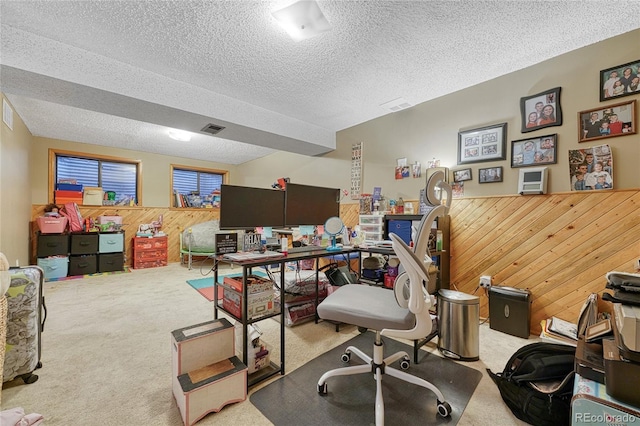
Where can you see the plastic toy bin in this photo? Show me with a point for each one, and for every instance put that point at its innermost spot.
(52, 225)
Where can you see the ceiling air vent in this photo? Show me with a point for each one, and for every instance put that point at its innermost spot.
(396, 105)
(212, 129)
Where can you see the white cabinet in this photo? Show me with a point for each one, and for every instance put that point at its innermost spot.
(372, 225)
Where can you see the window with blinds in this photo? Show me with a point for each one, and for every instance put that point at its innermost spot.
(196, 187)
(119, 177)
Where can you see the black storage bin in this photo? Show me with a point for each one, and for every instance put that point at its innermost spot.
(82, 265)
(110, 262)
(510, 310)
(84, 243)
(52, 245)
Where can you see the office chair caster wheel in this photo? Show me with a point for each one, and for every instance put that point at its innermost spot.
(322, 389)
(405, 363)
(444, 409)
(346, 357)
(362, 329)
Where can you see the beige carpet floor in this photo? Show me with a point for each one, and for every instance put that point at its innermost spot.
(106, 354)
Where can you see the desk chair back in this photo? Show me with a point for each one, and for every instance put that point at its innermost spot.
(418, 301)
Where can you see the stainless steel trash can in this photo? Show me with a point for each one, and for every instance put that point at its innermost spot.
(458, 325)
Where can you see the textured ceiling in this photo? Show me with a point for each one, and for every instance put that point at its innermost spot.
(119, 73)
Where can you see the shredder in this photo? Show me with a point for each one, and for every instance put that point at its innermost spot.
(459, 325)
(510, 310)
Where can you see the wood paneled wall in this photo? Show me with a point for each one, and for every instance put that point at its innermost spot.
(559, 246)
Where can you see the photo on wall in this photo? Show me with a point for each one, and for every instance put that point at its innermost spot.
(607, 122)
(457, 189)
(534, 151)
(541, 110)
(591, 168)
(621, 80)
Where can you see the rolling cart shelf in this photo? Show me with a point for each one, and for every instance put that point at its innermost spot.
(264, 373)
(249, 321)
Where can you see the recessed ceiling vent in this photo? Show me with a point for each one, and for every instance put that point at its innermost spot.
(212, 129)
(396, 105)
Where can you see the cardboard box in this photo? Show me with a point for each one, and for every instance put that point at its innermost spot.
(92, 196)
(255, 284)
(52, 225)
(259, 303)
(258, 357)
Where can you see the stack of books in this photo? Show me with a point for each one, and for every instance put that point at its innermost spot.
(557, 330)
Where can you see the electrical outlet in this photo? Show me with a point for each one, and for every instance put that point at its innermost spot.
(485, 281)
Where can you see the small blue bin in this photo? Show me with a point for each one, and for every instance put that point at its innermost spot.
(54, 267)
(68, 187)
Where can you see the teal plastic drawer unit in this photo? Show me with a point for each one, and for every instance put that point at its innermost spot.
(111, 243)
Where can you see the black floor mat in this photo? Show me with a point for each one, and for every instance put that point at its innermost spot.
(294, 398)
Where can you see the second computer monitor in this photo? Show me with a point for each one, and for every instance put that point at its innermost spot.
(310, 205)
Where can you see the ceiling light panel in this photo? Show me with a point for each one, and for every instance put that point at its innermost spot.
(302, 20)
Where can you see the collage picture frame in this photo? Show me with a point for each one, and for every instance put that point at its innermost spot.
(483, 144)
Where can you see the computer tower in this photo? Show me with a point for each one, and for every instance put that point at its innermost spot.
(510, 310)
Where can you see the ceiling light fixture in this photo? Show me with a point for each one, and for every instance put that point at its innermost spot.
(302, 20)
(179, 135)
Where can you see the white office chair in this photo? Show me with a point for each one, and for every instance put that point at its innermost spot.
(375, 308)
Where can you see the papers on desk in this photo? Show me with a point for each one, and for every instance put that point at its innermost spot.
(250, 255)
(378, 243)
(555, 330)
(563, 328)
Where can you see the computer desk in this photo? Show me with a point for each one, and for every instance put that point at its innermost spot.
(247, 266)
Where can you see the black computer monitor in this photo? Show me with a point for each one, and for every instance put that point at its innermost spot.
(310, 205)
(244, 207)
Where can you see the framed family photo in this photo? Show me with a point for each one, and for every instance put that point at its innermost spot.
(461, 175)
(591, 168)
(621, 80)
(541, 110)
(607, 122)
(534, 151)
(483, 144)
(490, 174)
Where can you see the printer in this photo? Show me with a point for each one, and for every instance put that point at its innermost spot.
(621, 355)
(628, 323)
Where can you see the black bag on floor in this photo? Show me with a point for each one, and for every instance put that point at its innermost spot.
(537, 383)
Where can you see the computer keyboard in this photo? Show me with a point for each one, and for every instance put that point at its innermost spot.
(303, 249)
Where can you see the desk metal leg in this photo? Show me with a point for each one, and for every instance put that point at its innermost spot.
(215, 287)
(282, 283)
